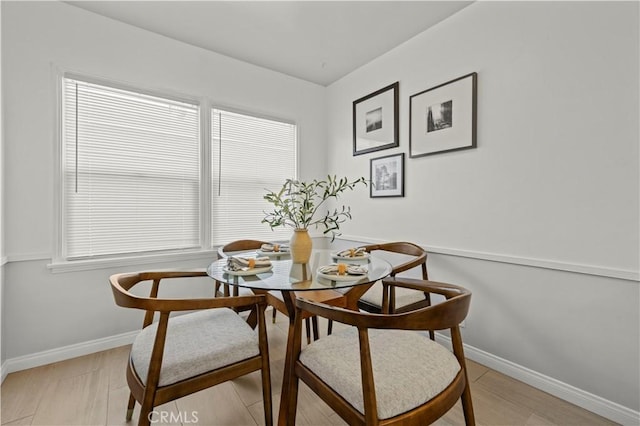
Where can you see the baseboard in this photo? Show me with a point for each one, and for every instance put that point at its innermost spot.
(3, 371)
(603, 407)
(66, 352)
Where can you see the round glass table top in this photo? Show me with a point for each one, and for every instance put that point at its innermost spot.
(285, 275)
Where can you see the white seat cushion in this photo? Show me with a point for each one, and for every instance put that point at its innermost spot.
(404, 296)
(409, 369)
(196, 343)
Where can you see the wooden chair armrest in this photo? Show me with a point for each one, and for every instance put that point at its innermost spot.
(128, 280)
(447, 314)
(447, 290)
(173, 274)
(420, 255)
(409, 264)
(171, 305)
(122, 283)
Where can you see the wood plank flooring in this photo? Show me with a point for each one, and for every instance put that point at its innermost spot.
(92, 390)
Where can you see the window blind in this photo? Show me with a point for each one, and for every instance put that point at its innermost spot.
(130, 172)
(249, 155)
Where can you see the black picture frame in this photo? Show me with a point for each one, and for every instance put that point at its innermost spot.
(387, 176)
(375, 120)
(444, 118)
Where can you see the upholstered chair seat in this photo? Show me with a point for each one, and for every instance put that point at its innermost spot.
(409, 369)
(196, 343)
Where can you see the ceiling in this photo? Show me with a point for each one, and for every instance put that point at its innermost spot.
(317, 41)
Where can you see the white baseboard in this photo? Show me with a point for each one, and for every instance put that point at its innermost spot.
(3, 371)
(603, 407)
(66, 352)
(579, 397)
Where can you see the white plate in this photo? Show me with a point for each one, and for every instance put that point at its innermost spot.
(272, 253)
(252, 271)
(336, 277)
(364, 257)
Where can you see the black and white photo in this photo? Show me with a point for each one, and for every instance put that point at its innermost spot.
(375, 121)
(443, 118)
(387, 176)
(439, 116)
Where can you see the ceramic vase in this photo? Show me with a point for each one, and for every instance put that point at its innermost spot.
(300, 246)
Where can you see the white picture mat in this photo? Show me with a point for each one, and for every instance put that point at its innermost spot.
(384, 135)
(394, 164)
(459, 135)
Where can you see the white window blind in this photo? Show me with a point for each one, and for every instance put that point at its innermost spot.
(249, 155)
(131, 171)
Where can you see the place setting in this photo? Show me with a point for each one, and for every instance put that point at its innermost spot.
(243, 266)
(273, 250)
(342, 272)
(351, 254)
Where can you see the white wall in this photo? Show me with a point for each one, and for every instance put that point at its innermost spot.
(553, 182)
(47, 311)
(2, 258)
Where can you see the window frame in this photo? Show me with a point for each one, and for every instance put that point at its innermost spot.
(206, 250)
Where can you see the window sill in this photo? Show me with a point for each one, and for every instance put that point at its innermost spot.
(92, 264)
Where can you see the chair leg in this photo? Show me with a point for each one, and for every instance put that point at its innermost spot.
(130, 407)
(273, 315)
(458, 350)
(432, 335)
(265, 371)
(330, 328)
(314, 322)
(293, 401)
(467, 406)
(145, 414)
(307, 326)
(266, 396)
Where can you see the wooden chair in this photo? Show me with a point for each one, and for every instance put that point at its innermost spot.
(384, 370)
(179, 355)
(274, 298)
(402, 300)
(238, 245)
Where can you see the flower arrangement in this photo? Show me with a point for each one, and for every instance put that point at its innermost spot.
(297, 204)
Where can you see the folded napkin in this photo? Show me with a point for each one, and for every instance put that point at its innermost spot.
(268, 247)
(237, 263)
(352, 252)
(351, 269)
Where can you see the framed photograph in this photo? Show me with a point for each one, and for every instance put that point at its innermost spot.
(387, 176)
(443, 118)
(375, 121)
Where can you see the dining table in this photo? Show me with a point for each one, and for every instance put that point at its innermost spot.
(290, 278)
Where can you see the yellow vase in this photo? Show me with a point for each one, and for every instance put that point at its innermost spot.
(300, 246)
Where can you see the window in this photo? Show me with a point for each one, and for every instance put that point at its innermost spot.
(140, 174)
(249, 155)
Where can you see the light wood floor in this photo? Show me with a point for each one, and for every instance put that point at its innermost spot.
(92, 390)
